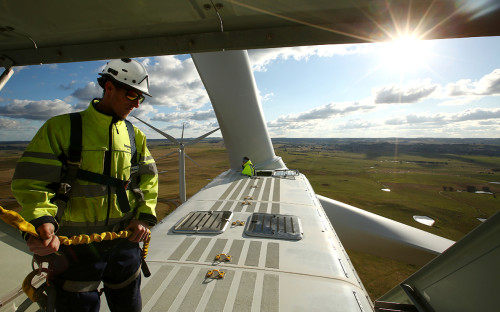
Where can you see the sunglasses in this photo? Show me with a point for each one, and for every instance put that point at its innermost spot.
(132, 95)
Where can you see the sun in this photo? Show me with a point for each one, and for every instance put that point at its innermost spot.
(405, 53)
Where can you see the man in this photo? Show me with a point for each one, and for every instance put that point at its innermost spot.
(248, 168)
(96, 201)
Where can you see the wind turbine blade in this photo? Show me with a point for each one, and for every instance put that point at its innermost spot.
(201, 138)
(367, 232)
(182, 135)
(168, 136)
(165, 156)
(192, 160)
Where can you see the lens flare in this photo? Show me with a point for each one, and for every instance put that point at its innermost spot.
(405, 53)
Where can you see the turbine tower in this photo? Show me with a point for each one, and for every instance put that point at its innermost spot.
(182, 154)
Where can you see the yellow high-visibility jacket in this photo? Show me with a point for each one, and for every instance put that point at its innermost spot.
(248, 169)
(92, 207)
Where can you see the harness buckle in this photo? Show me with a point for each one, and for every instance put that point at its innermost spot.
(64, 188)
(74, 163)
(35, 293)
(126, 184)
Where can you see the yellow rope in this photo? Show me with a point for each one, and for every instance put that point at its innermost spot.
(87, 239)
(14, 219)
(97, 238)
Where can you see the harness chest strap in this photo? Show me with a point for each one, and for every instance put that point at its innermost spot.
(120, 185)
(73, 171)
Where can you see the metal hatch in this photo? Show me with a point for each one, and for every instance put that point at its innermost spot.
(286, 173)
(204, 222)
(274, 226)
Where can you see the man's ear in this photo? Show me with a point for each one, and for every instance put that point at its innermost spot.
(108, 86)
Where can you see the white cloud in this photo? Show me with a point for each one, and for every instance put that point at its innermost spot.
(489, 122)
(460, 100)
(476, 114)
(185, 116)
(395, 121)
(321, 121)
(265, 97)
(51, 66)
(261, 59)
(357, 124)
(398, 94)
(460, 88)
(17, 69)
(425, 118)
(294, 130)
(143, 111)
(325, 112)
(175, 83)
(487, 85)
(6, 123)
(36, 110)
(68, 86)
(90, 91)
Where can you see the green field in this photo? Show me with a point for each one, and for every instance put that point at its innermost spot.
(434, 185)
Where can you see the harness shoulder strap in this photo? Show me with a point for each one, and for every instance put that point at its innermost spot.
(71, 165)
(131, 135)
(75, 140)
(134, 166)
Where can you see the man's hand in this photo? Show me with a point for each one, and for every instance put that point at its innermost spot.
(140, 231)
(48, 242)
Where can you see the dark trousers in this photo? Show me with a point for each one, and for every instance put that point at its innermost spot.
(111, 262)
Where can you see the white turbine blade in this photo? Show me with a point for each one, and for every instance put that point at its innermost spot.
(165, 156)
(168, 136)
(201, 138)
(363, 231)
(192, 160)
(182, 135)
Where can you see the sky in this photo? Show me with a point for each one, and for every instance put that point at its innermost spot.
(448, 88)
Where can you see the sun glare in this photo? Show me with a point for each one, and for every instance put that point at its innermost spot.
(404, 54)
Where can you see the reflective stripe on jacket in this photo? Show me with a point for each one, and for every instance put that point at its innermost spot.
(105, 148)
(248, 169)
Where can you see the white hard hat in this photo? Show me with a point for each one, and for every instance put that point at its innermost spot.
(128, 72)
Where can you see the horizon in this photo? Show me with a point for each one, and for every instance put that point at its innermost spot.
(446, 88)
(311, 138)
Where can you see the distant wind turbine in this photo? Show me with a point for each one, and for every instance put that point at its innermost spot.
(182, 154)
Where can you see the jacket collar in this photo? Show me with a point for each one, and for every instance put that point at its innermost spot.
(100, 117)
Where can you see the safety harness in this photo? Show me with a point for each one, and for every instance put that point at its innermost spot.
(71, 166)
